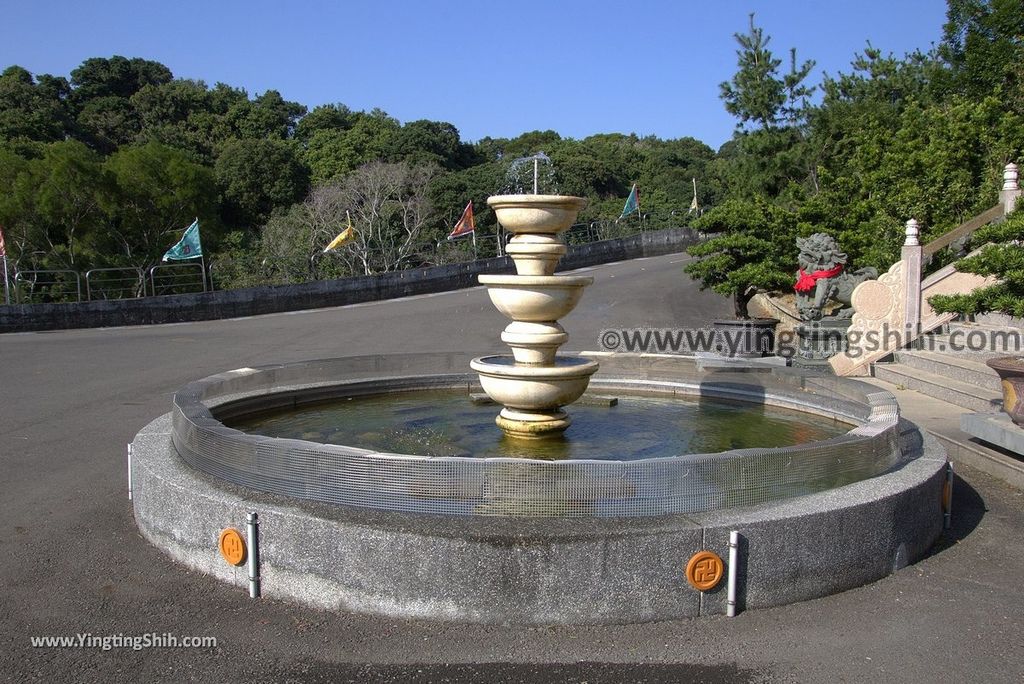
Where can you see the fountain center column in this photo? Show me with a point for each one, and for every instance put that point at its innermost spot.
(535, 383)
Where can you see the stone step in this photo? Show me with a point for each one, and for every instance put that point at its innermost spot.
(943, 421)
(956, 343)
(940, 387)
(965, 369)
(979, 338)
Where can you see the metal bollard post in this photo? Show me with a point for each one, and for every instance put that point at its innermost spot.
(947, 498)
(734, 554)
(254, 555)
(129, 471)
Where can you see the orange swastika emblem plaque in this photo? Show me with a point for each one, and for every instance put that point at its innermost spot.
(704, 571)
(232, 546)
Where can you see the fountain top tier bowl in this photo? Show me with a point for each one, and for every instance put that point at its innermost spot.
(537, 214)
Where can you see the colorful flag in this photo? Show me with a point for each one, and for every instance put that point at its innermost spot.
(188, 246)
(344, 236)
(632, 203)
(465, 225)
(3, 245)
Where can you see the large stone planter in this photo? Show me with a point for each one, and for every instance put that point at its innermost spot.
(1011, 376)
(745, 338)
(818, 341)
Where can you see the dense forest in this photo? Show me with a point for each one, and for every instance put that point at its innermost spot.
(106, 167)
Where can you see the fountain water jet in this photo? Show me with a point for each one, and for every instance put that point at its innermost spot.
(534, 383)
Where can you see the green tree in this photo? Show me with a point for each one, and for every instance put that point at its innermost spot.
(187, 115)
(115, 77)
(983, 42)
(256, 176)
(267, 116)
(751, 251)
(330, 117)
(430, 142)
(55, 206)
(757, 95)
(108, 122)
(772, 108)
(332, 153)
(32, 110)
(159, 190)
(1003, 259)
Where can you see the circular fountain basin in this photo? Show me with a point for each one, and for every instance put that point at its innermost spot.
(530, 541)
(535, 298)
(546, 214)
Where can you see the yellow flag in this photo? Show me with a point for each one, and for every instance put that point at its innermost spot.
(344, 236)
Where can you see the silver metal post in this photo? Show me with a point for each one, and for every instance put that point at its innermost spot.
(536, 162)
(254, 555)
(129, 471)
(7, 291)
(734, 553)
(947, 499)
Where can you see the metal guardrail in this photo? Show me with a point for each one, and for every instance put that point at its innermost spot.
(179, 279)
(114, 284)
(48, 282)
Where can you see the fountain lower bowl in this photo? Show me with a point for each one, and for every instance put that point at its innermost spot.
(534, 387)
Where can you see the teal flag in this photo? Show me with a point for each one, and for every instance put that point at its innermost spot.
(188, 246)
(632, 203)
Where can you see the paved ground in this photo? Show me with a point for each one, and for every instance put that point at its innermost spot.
(71, 561)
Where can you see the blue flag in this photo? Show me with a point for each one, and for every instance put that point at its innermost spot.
(632, 203)
(188, 246)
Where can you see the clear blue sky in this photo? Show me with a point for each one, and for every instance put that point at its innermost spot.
(491, 68)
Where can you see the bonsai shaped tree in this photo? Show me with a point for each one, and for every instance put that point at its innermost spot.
(1003, 258)
(749, 253)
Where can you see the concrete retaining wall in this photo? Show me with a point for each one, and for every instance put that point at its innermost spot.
(255, 301)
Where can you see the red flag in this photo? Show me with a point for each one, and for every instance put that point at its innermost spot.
(3, 245)
(465, 225)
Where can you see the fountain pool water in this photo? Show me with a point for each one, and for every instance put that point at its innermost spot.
(442, 423)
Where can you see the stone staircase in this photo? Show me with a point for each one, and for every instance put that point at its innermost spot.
(948, 366)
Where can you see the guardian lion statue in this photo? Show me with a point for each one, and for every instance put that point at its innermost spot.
(822, 277)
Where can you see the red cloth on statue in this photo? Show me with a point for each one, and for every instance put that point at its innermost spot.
(807, 282)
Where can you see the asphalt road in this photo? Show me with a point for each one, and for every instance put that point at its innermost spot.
(71, 561)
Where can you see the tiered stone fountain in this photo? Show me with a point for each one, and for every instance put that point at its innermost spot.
(535, 382)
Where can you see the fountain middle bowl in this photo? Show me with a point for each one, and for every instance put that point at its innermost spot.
(535, 298)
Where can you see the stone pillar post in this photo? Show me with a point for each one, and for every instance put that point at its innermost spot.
(1011, 188)
(912, 256)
